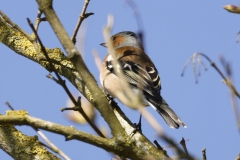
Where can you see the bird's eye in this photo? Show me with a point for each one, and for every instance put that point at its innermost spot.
(133, 35)
(114, 38)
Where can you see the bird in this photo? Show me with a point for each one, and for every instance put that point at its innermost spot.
(139, 72)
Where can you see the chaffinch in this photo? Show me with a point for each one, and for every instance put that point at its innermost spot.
(139, 72)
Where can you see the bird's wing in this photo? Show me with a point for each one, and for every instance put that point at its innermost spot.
(145, 78)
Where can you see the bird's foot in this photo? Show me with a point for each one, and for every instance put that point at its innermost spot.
(137, 128)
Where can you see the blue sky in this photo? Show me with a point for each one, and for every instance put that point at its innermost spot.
(174, 30)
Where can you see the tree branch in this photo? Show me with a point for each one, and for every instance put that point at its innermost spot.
(198, 54)
(20, 146)
(136, 147)
(204, 154)
(83, 16)
(70, 133)
(51, 146)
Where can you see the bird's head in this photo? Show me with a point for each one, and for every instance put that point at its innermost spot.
(125, 38)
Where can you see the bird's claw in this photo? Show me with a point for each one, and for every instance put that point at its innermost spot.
(137, 127)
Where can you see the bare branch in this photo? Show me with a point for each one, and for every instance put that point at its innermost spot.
(11, 141)
(70, 133)
(227, 80)
(51, 145)
(80, 20)
(181, 153)
(39, 20)
(138, 18)
(182, 142)
(237, 37)
(158, 145)
(204, 154)
(228, 83)
(228, 71)
(8, 20)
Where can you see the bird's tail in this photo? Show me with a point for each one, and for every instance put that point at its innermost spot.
(168, 114)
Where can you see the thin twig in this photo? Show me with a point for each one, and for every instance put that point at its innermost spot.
(8, 104)
(204, 154)
(8, 20)
(185, 65)
(181, 153)
(157, 144)
(97, 59)
(213, 65)
(51, 146)
(237, 37)
(182, 142)
(194, 67)
(232, 94)
(235, 107)
(80, 20)
(172, 147)
(39, 20)
(69, 132)
(228, 83)
(46, 146)
(63, 84)
(138, 18)
(15, 26)
(227, 80)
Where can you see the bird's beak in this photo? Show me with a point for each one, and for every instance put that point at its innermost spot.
(104, 45)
